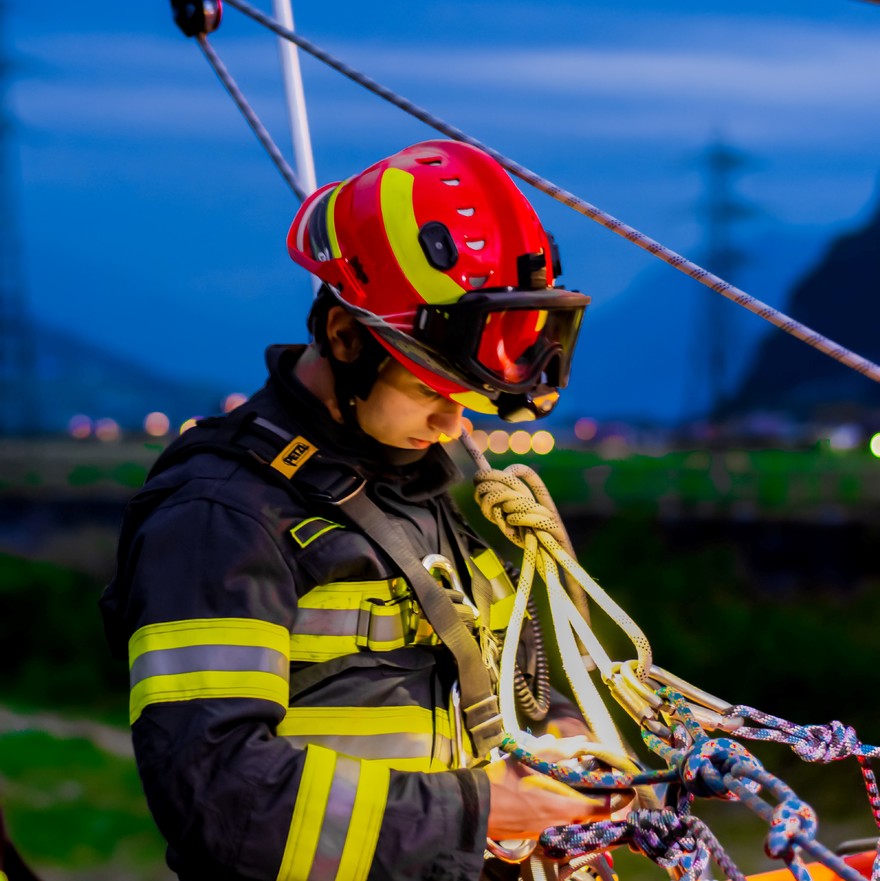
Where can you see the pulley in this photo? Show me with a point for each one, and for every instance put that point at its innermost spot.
(196, 17)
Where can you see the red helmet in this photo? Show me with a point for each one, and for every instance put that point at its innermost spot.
(438, 253)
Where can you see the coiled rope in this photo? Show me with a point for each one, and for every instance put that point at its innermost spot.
(518, 503)
(667, 255)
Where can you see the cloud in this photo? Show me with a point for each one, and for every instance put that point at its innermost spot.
(770, 79)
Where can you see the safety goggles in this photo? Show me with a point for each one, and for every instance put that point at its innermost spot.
(494, 343)
(507, 340)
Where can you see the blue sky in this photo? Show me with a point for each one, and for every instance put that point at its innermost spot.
(155, 225)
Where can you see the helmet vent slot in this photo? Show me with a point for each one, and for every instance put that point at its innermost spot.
(431, 160)
(477, 281)
(465, 212)
(476, 244)
(451, 181)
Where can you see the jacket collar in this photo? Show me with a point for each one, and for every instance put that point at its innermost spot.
(296, 409)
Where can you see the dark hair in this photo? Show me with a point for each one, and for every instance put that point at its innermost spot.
(357, 378)
(317, 320)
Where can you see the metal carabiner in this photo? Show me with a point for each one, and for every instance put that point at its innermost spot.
(437, 563)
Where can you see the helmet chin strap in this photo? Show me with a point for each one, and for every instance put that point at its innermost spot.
(355, 380)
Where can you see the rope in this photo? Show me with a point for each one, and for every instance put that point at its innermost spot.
(672, 840)
(518, 503)
(723, 768)
(253, 120)
(534, 704)
(815, 743)
(768, 313)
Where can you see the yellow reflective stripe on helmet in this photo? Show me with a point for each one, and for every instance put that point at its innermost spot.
(336, 818)
(208, 658)
(331, 222)
(396, 199)
(476, 402)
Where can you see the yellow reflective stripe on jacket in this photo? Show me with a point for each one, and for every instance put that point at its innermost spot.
(407, 738)
(503, 591)
(208, 658)
(336, 818)
(306, 531)
(342, 617)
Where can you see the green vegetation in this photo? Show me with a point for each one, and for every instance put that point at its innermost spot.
(52, 648)
(70, 804)
(783, 482)
(807, 652)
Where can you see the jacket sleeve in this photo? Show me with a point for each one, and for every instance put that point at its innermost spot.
(209, 606)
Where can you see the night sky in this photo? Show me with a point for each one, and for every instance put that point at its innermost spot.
(154, 225)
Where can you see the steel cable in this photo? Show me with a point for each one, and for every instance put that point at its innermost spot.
(253, 120)
(703, 276)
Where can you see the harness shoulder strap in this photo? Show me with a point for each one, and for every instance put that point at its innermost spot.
(481, 711)
(296, 462)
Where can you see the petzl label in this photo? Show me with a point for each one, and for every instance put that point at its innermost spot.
(294, 456)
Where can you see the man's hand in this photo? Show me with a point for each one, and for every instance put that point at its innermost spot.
(524, 803)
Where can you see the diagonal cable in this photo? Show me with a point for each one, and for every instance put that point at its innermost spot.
(253, 120)
(693, 270)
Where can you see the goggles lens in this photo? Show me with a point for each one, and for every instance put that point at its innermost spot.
(501, 339)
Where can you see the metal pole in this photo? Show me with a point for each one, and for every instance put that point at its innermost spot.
(296, 101)
(296, 108)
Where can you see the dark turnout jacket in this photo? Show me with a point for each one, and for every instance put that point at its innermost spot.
(290, 705)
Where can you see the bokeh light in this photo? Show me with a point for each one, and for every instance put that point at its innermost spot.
(107, 430)
(480, 439)
(499, 441)
(585, 428)
(80, 426)
(543, 442)
(874, 445)
(156, 424)
(520, 442)
(189, 423)
(230, 402)
(845, 437)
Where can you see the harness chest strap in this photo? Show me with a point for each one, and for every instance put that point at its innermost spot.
(297, 462)
(480, 703)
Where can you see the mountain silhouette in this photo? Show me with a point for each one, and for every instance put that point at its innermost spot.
(839, 298)
(73, 376)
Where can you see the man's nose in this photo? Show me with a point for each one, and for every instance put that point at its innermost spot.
(447, 419)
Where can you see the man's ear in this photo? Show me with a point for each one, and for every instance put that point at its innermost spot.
(343, 335)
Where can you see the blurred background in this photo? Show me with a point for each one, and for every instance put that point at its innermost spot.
(720, 479)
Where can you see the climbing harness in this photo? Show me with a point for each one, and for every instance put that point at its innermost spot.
(673, 716)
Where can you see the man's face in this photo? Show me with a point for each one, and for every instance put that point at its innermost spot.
(401, 411)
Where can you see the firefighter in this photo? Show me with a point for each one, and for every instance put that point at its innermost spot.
(311, 627)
